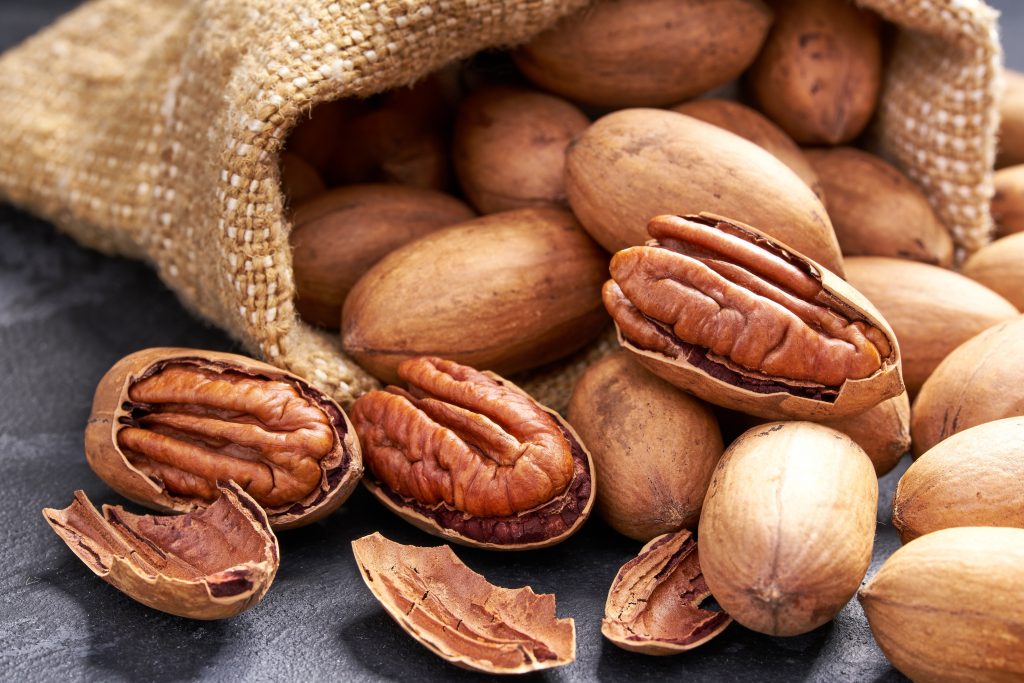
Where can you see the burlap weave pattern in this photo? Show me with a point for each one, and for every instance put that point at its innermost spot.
(152, 129)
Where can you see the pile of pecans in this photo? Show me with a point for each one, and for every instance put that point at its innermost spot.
(780, 297)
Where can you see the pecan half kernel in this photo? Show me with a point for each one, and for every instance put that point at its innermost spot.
(168, 424)
(727, 301)
(467, 455)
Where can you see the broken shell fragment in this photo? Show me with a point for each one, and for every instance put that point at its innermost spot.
(719, 309)
(212, 563)
(470, 457)
(460, 617)
(653, 606)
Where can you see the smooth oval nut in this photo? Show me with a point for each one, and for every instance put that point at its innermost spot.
(505, 292)
(999, 266)
(470, 457)
(635, 164)
(338, 236)
(788, 526)
(820, 72)
(653, 606)
(509, 148)
(717, 308)
(1011, 120)
(654, 447)
(299, 180)
(211, 563)
(973, 478)
(1008, 201)
(878, 211)
(980, 381)
(752, 125)
(947, 607)
(883, 431)
(931, 310)
(618, 53)
(461, 617)
(167, 424)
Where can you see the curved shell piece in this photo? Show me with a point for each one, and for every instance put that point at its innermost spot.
(212, 563)
(461, 617)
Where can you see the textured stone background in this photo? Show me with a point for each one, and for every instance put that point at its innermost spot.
(67, 314)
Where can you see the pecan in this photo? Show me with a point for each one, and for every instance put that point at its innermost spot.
(209, 564)
(653, 606)
(715, 298)
(467, 455)
(168, 424)
(456, 614)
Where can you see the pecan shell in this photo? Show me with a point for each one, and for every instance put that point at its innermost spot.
(653, 606)
(456, 614)
(168, 424)
(723, 311)
(470, 457)
(212, 563)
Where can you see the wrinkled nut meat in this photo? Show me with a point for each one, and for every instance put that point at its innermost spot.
(653, 606)
(468, 456)
(167, 424)
(209, 564)
(722, 311)
(460, 617)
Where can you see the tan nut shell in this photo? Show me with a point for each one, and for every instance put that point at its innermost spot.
(854, 396)
(509, 147)
(820, 71)
(339, 235)
(788, 525)
(212, 563)
(299, 180)
(108, 461)
(947, 606)
(433, 527)
(635, 164)
(999, 266)
(618, 53)
(932, 310)
(1011, 120)
(878, 211)
(654, 447)
(980, 381)
(653, 605)
(505, 292)
(883, 431)
(752, 125)
(1008, 200)
(973, 478)
(460, 617)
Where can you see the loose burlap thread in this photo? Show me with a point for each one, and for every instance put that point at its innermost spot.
(152, 130)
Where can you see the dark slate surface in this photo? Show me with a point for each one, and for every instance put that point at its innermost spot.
(66, 314)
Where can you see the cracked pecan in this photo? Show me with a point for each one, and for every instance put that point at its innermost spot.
(456, 614)
(653, 606)
(168, 424)
(208, 564)
(721, 310)
(470, 457)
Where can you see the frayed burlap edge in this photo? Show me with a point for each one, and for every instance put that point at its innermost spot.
(152, 130)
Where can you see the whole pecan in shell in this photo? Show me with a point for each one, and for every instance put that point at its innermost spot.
(468, 456)
(723, 311)
(168, 424)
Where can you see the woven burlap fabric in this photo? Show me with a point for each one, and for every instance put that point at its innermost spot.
(152, 129)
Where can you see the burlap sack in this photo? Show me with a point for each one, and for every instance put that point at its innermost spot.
(151, 129)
